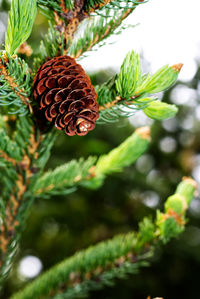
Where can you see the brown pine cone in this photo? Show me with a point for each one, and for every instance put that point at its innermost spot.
(65, 96)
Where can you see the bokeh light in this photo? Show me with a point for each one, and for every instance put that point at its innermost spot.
(29, 266)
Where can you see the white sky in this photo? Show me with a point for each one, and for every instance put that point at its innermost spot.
(168, 32)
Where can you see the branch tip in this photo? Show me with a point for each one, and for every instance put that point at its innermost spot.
(177, 67)
(144, 132)
(190, 181)
(25, 49)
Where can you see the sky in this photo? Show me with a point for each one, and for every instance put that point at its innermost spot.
(167, 33)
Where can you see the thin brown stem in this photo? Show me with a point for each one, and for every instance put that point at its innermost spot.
(7, 158)
(116, 101)
(68, 21)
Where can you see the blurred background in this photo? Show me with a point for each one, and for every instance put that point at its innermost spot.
(168, 33)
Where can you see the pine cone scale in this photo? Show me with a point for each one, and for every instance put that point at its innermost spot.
(65, 80)
(43, 73)
(65, 96)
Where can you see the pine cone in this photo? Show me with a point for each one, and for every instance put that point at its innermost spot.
(65, 96)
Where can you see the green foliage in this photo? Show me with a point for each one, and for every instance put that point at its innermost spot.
(55, 4)
(52, 45)
(106, 92)
(124, 155)
(103, 256)
(168, 229)
(171, 223)
(24, 170)
(100, 264)
(186, 189)
(24, 128)
(9, 147)
(107, 279)
(44, 149)
(175, 203)
(20, 23)
(10, 153)
(131, 83)
(91, 4)
(97, 30)
(160, 81)
(116, 107)
(128, 92)
(69, 4)
(63, 178)
(130, 75)
(15, 85)
(48, 7)
(2, 122)
(146, 233)
(51, 4)
(159, 110)
(125, 3)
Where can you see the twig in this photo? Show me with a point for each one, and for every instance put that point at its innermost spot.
(15, 88)
(10, 224)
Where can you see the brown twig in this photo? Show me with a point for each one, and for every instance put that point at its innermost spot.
(116, 101)
(7, 158)
(70, 20)
(24, 173)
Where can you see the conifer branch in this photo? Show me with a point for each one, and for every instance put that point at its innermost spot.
(12, 84)
(97, 31)
(68, 19)
(131, 90)
(15, 201)
(15, 84)
(51, 4)
(54, 44)
(20, 23)
(9, 149)
(99, 265)
(31, 151)
(10, 156)
(120, 157)
(5, 157)
(65, 178)
(95, 5)
(58, 6)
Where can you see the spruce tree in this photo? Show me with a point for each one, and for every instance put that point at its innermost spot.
(53, 93)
